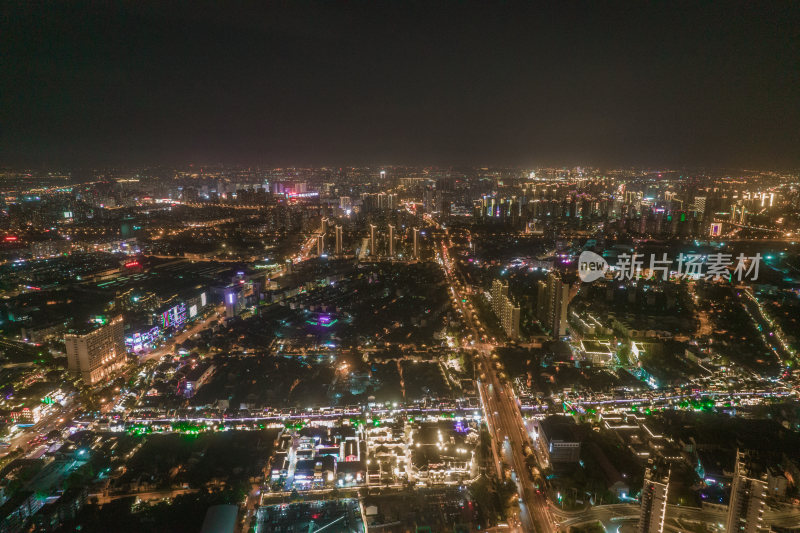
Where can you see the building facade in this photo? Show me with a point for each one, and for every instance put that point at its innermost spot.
(506, 310)
(557, 439)
(654, 501)
(95, 355)
(748, 499)
(552, 299)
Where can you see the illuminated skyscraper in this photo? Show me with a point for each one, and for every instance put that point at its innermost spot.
(372, 250)
(738, 213)
(499, 291)
(416, 243)
(234, 302)
(391, 240)
(338, 240)
(700, 205)
(320, 245)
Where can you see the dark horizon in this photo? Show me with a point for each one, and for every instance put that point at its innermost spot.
(417, 84)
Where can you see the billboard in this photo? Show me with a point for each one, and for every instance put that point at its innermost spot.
(175, 316)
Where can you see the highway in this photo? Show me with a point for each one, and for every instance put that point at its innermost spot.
(502, 413)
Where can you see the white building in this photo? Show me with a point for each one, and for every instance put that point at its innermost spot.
(95, 355)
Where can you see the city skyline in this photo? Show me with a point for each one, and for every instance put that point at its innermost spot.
(392, 267)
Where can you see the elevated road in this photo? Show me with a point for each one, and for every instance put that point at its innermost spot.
(502, 414)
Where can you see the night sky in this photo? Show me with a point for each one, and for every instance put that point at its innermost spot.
(429, 83)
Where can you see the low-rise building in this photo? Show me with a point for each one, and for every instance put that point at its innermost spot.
(558, 439)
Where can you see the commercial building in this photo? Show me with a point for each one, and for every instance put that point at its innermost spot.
(558, 440)
(95, 355)
(180, 308)
(27, 415)
(143, 338)
(234, 300)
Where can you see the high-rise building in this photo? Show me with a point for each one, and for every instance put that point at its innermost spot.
(764, 196)
(700, 205)
(391, 240)
(748, 498)
(96, 354)
(633, 197)
(345, 203)
(510, 318)
(234, 301)
(369, 202)
(428, 199)
(320, 244)
(416, 243)
(323, 227)
(499, 291)
(338, 240)
(506, 310)
(738, 213)
(372, 250)
(654, 500)
(552, 300)
(383, 200)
